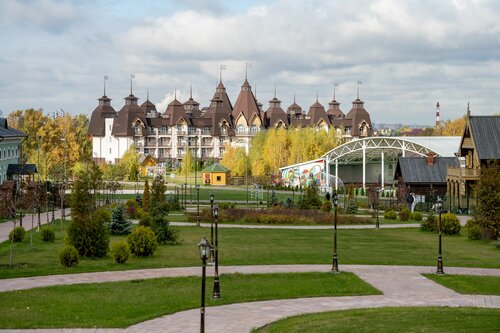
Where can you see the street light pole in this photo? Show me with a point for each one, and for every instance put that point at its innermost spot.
(440, 270)
(212, 256)
(216, 292)
(204, 248)
(377, 225)
(197, 205)
(335, 263)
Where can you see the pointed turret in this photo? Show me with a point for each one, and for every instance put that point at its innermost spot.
(149, 108)
(294, 110)
(102, 111)
(360, 120)
(191, 106)
(318, 114)
(246, 107)
(275, 116)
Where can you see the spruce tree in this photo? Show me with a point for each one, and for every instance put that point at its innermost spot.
(119, 225)
(158, 193)
(146, 197)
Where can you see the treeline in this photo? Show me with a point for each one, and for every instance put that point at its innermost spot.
(275, 148)
(55, 143)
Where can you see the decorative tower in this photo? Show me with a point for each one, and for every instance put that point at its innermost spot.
(437, 114)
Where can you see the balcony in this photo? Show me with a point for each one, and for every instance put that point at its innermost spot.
(180, 132)
(165, 143)
(464, 173)
(151, 143)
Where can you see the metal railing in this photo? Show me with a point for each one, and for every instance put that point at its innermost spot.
(464, 173)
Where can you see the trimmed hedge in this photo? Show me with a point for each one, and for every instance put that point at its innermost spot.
(17, 235)
(142, 241)
(68, 256)
(450, 224)
(120, 252)
(416, 216)
(404, 214)
(48, 235)
(390, 215)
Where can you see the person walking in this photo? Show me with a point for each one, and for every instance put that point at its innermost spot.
(409, 200)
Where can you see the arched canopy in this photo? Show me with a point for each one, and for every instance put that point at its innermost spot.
(373, 147)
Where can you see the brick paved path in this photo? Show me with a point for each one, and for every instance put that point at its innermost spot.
(401, 286)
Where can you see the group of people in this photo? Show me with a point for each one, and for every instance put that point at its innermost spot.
(411, 200)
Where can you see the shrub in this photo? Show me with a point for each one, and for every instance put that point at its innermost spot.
(68, 256)
(404, 214)
(90, 237)
(226, 205)
(326, 207)
(48, 235)
(474, 232)
(145, 220)
(163, 231)
(429, 224)
(352, 207)
(17, 235)
(119, 225)
(450, 224)
(142, 241)
(120, 252)
(132, 207)
(416, 216)
(390, 215)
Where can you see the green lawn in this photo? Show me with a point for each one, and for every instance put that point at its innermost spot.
(120, 304)
(271, 246)
(469, 284)
(425, 319)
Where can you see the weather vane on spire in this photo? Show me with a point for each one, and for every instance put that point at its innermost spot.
(335, 85)
(132, 76)
(105, 79)
(222, 68)
(247, 66)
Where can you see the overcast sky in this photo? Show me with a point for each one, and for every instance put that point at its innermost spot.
(407, 54)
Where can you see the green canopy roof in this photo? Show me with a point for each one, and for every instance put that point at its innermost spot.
(216, 167)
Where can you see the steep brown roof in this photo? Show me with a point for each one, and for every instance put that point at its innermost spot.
(175, 110)
(122, 125)
(102, 111)
(317, 113)
(246, 105)
(148, 106)
(334, 110)
(275, 114)
(218, 115)
(358, 115)
(220, 93)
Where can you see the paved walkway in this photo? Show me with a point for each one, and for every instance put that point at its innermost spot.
(305, 227)
(401, 286)
(7, 227)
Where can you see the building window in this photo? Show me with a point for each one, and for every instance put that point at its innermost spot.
(218, 178)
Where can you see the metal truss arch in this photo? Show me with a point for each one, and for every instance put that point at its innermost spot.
(372, 148)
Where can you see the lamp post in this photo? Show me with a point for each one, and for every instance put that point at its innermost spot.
(335, 263)
(377, 192)
(204, 248)
(439, 207)
(197, 205)
(212, 256)
(216, 292)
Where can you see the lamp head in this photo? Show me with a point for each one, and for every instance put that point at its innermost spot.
(211, 198)
(204, 248)
(335, 199)
(215, 212)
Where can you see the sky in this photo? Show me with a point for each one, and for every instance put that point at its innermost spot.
(407, 54)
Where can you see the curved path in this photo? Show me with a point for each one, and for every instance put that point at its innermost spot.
(401, 286)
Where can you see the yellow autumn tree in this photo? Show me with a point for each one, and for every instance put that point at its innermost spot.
(235, 160)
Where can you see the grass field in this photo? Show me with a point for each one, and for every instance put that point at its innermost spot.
(469, 284)
(425, 319)
(271, 246)
(120, 304)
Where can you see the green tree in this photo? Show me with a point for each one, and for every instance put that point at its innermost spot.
(146, 197)
(187, 164)
(158, 193)
(129, 163)
(488, 192)
(119, 225)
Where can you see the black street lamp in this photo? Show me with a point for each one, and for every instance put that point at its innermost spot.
(439, 207)
(216, 293)
(335, 264)
(197, 205)
(212, 256)
(377, 192)
(204, 247)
